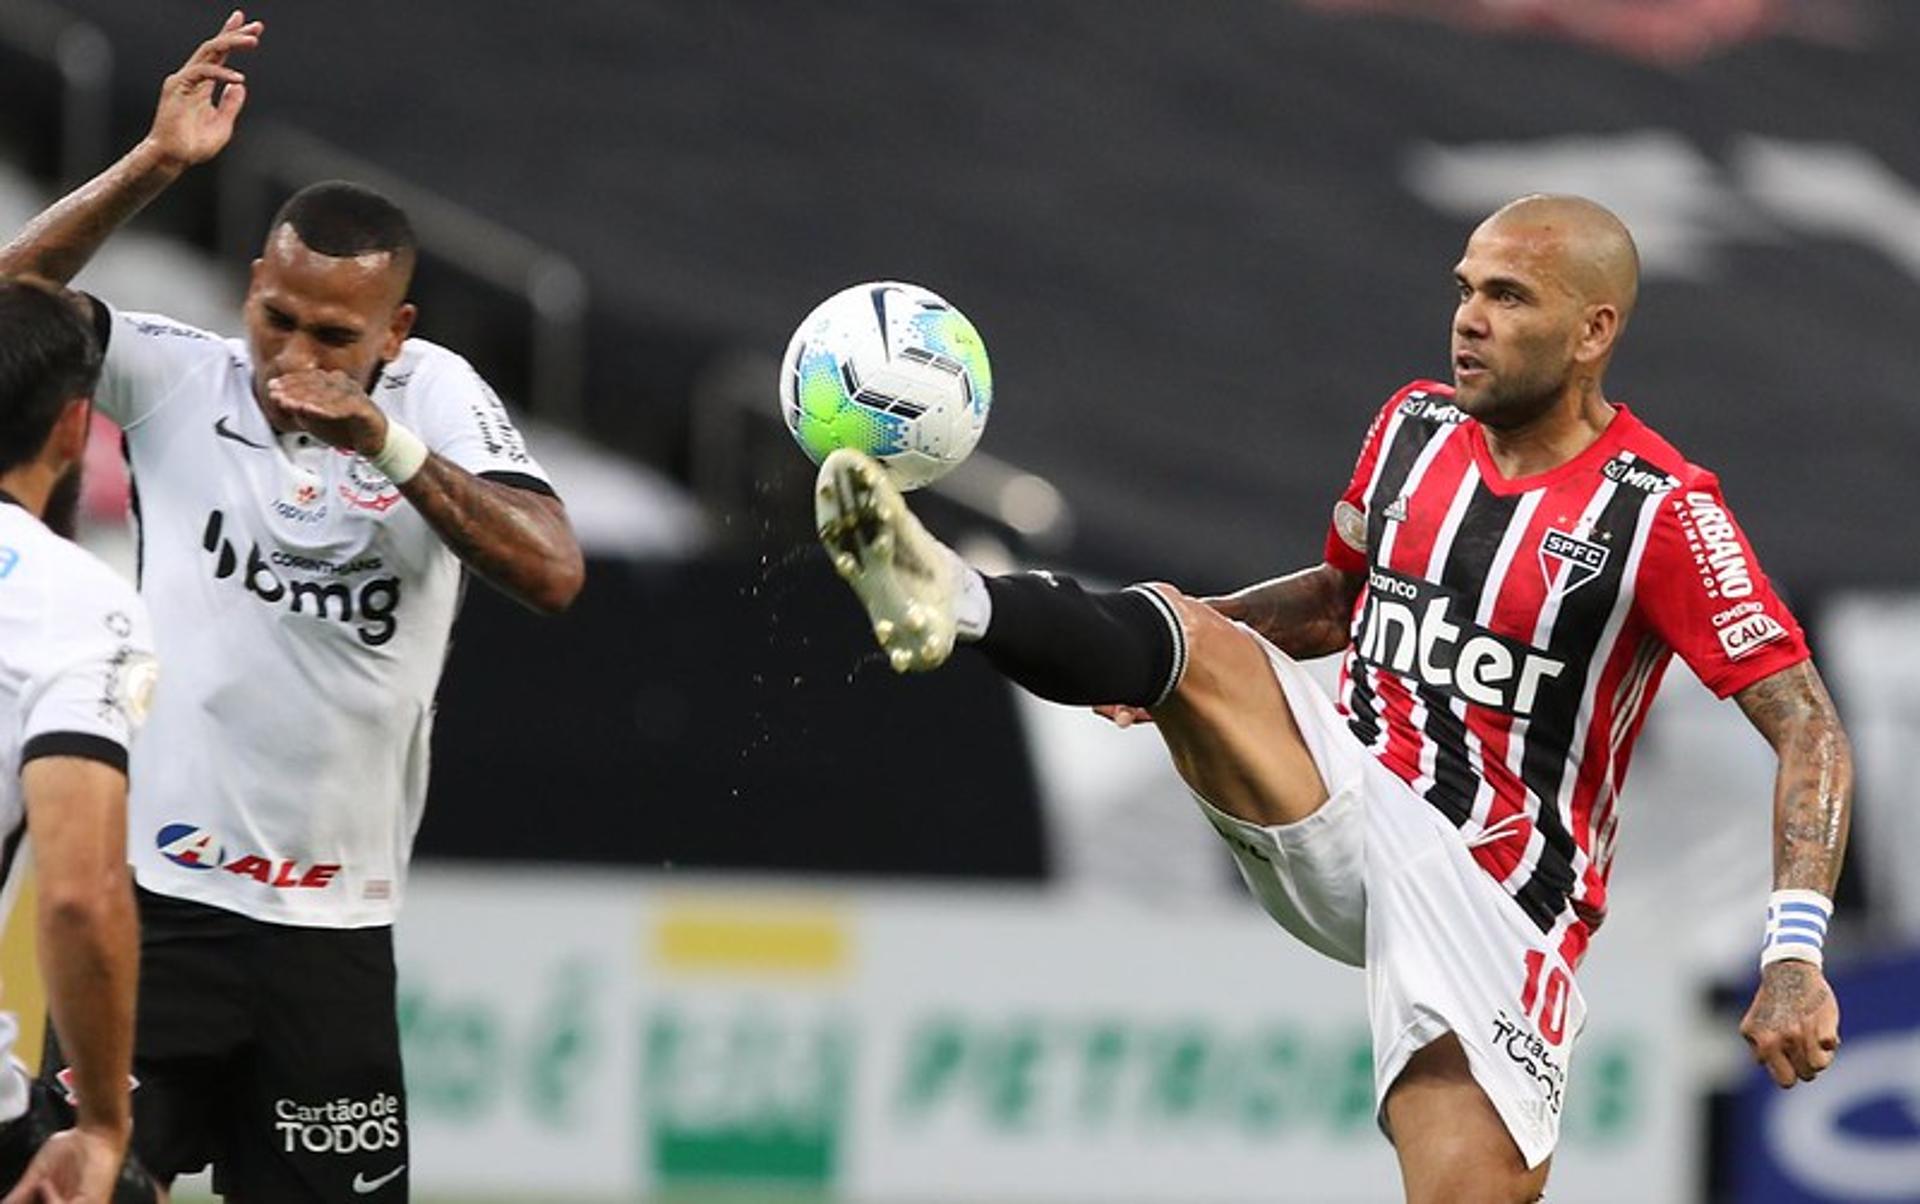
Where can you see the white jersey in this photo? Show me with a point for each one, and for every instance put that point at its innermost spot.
(304, 608)
(76, 674)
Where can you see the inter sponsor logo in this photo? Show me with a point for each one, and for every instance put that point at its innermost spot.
(1715, 544)
(1580, 560)
(1408, 627)
(8, 559)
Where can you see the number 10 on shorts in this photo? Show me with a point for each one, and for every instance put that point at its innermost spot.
(1551, 996)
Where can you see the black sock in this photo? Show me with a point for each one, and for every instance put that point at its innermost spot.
(1069, 645)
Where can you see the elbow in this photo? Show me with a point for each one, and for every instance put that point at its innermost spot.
(78, 908)
(560, 585)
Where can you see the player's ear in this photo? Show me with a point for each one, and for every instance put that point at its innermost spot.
(1598, 334)
(68, 440)
(398, 329)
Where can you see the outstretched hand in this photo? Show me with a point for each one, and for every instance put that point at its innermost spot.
(74, 1167)
(200, 102)
(1793, 1026)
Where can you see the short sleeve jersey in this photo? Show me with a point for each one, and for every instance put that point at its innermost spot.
(307, 606)
(77, 675)
(1513, 632)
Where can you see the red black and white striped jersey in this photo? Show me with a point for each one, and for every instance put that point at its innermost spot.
(1512, 632)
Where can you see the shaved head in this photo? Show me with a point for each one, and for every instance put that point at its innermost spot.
(1584, 245)
(1546, 286)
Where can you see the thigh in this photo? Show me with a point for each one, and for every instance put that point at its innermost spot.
(1231, 728)
(1453, 963)
(1453, 1146)
(321, 1113)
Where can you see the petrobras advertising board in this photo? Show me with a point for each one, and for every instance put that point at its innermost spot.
(583, 1037)
(1853, 1135)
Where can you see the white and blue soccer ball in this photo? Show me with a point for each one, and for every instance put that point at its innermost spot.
(892, 370)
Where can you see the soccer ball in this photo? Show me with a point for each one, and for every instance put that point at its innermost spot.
(892, 370)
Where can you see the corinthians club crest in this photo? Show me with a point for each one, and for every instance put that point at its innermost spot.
(366, 488)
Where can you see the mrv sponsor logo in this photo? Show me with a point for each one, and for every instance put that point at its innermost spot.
(340, 1126)
(1715, 544)
(1629, 470)
(1408, 628)
(194, 848)
(369, 606)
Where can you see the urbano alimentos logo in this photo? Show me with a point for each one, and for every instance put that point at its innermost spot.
(747, 1057)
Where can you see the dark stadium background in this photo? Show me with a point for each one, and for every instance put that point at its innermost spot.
(1192, 237)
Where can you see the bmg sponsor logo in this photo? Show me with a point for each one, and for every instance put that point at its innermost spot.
(371, 609)
(340, 1126)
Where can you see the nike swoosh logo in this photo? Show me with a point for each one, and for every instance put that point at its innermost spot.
(221, 429)
(363, 1186)
(879, 296)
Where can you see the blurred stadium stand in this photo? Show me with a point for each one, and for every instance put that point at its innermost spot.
(1202, 245)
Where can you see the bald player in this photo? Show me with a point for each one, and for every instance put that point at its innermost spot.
(1510, 571)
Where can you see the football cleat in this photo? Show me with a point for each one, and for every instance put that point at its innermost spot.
(907, 579)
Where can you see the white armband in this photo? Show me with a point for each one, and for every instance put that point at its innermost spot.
(1796, 926)
(401, 456)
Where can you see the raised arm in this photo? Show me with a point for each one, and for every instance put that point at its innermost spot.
(1794, 1023)
(193, 122)
(1304, 614)
(89, 959)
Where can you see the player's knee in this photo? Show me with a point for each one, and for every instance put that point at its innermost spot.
(1218, 653)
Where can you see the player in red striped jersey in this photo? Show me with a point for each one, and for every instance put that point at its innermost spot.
(1511, 569)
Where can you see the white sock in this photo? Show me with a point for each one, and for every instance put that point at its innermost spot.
(972, 604)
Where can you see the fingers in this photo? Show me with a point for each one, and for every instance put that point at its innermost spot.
(1791, 1058)
(1123, 716)
(237, 33)
(193, 75)
(231, 101)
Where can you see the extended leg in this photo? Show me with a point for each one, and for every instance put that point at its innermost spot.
(1214, 693)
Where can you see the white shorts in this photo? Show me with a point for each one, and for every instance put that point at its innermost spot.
(1378, 878)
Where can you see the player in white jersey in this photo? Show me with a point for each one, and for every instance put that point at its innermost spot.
(76, 672)
(309, 498)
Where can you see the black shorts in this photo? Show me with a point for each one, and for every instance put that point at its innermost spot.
(47, 1113)
(271, 1052)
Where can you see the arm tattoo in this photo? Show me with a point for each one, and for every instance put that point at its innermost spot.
(1304, 614)
(1813, 790)
(59, 242)
(518, 540)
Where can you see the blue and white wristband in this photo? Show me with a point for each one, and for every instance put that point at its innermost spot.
(1796, 926)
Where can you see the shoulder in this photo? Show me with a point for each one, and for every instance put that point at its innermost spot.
(72, 598)
(1425, 401)
(424, 366)
(1647, 463)
(164, 332)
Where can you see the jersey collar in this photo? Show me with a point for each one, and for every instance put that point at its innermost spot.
(1591, 457)
(7, 499)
